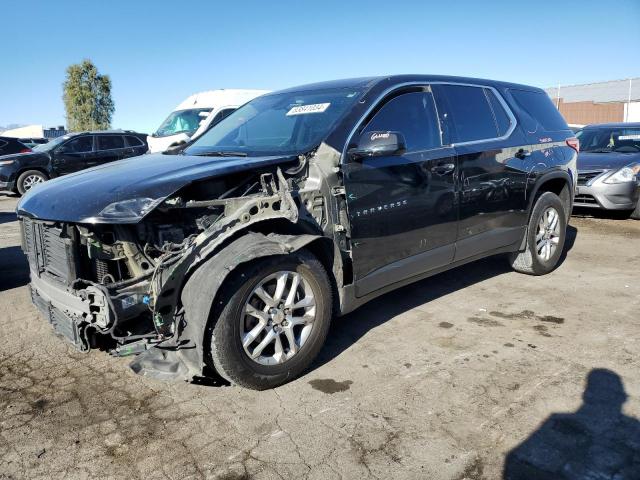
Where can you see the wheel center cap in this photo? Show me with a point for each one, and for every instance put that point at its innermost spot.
(277, 316)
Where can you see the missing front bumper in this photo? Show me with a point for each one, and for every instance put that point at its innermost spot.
(63, 323)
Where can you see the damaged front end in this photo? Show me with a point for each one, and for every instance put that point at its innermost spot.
(118, 286)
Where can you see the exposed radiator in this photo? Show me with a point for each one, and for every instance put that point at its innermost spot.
(50, 249)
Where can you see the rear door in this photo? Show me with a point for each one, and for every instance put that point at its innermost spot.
(109, 148)
(492, 170)
(402, 208)
(73, 155)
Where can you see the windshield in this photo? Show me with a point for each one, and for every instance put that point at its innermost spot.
(45, 147)
(601, 140)
(288, 123)
(182, 121)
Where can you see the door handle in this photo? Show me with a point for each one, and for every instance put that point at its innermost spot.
(443, 168)
(522, 153)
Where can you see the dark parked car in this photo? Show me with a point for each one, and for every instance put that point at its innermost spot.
(233, 255)
(67, 154)
(609, 167)
(9, 145)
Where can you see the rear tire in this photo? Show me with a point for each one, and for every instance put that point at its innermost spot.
(28, 179)
(233, 335)
(546, 234)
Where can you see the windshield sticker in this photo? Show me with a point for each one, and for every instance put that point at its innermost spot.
(629, 137)
(304, 109)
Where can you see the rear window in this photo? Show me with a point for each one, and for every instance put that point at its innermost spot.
(541, 109)
(110, 142)
(133, 141)
(469, 110)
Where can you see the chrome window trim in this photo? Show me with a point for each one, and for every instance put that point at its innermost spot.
(427, 84)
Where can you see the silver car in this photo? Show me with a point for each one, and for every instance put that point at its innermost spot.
(609, 167)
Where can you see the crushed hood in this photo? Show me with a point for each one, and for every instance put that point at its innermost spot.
(126, 190)
(605, 161)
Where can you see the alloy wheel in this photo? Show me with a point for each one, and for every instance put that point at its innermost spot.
(548, 234)
(278, 318)
(30, 181)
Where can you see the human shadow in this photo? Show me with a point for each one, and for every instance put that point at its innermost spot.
(595, 442)
(14, 268)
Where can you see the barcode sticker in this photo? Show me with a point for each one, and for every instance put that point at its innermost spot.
(304, 109)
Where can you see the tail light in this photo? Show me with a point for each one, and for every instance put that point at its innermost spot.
(26, 150)
(574, 143)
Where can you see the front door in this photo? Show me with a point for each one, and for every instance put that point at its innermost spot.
(72, 156)
(402, 208)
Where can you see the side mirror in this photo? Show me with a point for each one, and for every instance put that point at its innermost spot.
(378, 144)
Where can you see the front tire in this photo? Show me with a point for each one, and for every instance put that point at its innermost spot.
(273, 319)
(546, 234)
(29, 179)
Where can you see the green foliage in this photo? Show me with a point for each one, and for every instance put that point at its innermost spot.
(87, 98)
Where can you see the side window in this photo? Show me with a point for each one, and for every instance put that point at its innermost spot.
(222, 114)
(133, 141)
(82, 144)
(540, 108)
(3, 143)
(413, 115)
(469, 111)
(110, 142)
(503, 122)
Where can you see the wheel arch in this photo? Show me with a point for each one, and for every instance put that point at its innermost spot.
(201, 296)
(40, 169)
(558, 182)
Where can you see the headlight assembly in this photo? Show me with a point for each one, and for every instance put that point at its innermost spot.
(125, 211)
(625, 174)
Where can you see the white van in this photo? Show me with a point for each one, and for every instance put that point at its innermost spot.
(192, 117)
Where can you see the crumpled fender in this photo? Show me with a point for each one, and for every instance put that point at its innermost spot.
(182, 357)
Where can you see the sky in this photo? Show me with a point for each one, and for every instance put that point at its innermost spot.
(159, 52)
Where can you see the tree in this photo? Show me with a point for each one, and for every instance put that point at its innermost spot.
(87, 98)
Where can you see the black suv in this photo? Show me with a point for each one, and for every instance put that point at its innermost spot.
(9, 145)
(67, 154)
(233, 255)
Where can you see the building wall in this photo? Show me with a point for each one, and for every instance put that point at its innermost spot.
(632, 112)
(584, 113)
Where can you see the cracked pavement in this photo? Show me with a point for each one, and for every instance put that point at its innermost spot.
(438, 380)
